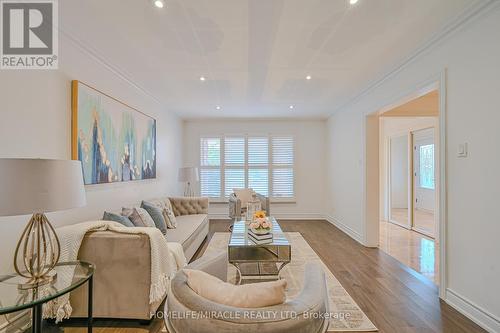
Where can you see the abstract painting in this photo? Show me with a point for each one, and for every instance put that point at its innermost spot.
(114, 142)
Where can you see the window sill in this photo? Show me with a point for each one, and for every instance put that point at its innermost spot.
(284, 201)
(218, 201)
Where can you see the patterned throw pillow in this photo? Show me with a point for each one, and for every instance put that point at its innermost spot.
(117, 218)
(139, 217)
(160, 204)
(171, 220)
(156, 214)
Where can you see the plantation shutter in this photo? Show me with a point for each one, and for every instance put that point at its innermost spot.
(234, 164)
(263, 163)
(282, 167)
(210, 183)
(210, 167)
(258, 164)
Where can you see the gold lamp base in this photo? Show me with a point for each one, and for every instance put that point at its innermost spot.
(38, 250)
(48, 278)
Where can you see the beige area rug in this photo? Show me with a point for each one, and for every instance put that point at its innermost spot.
(349, 316)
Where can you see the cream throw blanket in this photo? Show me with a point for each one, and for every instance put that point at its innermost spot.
(166, 259)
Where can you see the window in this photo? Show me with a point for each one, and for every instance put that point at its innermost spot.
(426, 166)
(263, 163)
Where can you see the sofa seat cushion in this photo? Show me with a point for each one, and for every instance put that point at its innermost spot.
(188, 228)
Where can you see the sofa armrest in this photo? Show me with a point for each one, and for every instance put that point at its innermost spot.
(215, 265)
(189, 205)
(122, 278)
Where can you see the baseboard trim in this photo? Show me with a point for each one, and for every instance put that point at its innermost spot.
(346, 229)
(308, 216)
(283, 216)
(304, 216)
(472, 311)
(399, 224)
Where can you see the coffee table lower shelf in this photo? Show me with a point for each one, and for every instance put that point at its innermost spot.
(257, 271)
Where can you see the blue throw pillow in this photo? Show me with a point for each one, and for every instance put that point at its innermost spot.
(117, 218)
(157, 216)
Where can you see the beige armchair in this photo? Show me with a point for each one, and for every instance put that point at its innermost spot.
(186, 311)
(236, 210)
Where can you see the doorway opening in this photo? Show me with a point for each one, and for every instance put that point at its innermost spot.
(408, 189)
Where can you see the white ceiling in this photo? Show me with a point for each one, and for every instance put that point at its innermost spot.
(255, 54)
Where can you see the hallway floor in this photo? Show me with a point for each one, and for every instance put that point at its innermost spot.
(424, 221)
(411, 248)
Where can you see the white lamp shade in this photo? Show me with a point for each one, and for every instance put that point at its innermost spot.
(188, 174)
(39, 186)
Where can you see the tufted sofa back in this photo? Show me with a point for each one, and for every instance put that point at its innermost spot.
(189, 205)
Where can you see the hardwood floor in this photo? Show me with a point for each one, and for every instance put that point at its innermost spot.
(423, 220)
(393, 296)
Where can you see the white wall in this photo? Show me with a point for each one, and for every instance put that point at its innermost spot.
(35, 122)
(309, 159)
(472, 59)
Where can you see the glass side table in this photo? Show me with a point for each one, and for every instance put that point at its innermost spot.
(70, 275)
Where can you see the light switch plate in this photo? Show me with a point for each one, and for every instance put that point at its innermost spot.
(462, 150)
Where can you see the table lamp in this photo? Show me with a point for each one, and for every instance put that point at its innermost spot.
(188, 175)
(38, 186)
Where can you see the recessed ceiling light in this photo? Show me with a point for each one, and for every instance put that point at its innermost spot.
(308, 77)
(202, 78)
(353, 2)
(159, 3)
(291, 107)
(218, 107)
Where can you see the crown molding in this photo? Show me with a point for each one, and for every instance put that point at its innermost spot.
(103, 61)
(256, 119)
(472, 12)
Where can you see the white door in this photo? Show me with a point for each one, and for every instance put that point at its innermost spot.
(424, 193)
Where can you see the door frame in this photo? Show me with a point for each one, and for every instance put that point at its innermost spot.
(370, 169)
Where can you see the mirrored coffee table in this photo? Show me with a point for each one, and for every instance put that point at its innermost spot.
(253, 260)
